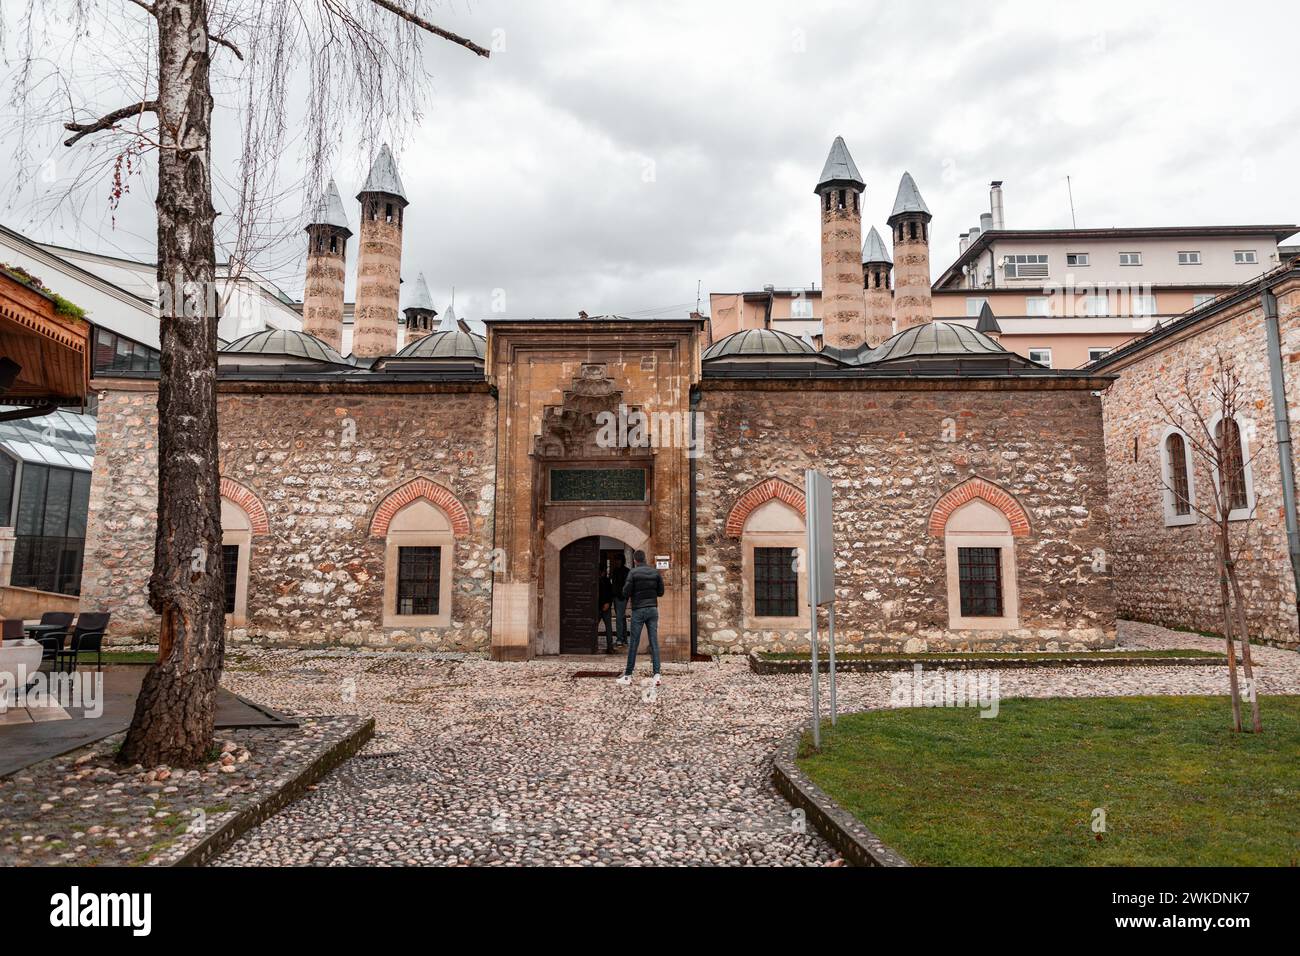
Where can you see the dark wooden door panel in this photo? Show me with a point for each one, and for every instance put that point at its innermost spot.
(579, 590)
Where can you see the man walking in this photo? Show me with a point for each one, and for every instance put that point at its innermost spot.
(644, 588)
(618, 577)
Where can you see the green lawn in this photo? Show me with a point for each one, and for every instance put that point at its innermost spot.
(1010, 655)
(119, 657)
(945, 787)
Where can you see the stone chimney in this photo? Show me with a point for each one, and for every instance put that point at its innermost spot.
(878, 297)
(379, 263)
(322, 295)
(419, 311)
(839, 192)
(910, 222)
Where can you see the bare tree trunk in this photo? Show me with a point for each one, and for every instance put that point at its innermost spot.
(1232, 651)
(1247, 664)
(175, 711)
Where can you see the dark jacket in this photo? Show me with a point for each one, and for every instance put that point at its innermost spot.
(619, 576)
(644, 587)
(606, 591)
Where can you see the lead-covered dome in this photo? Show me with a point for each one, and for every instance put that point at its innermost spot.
(935, 339)
(448, 344)
(286, 342)
(765, 342)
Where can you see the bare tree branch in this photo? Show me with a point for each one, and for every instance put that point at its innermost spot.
(423, 24)
(109, 120)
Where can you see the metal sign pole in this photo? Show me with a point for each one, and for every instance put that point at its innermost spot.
(812, 565)
(830, 613)
(816, 696)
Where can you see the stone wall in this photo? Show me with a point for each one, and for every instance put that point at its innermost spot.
(321, 465)
(1167, 575)
(891, 451)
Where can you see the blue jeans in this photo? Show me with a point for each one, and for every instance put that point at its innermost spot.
(649, 616)
(620, 612)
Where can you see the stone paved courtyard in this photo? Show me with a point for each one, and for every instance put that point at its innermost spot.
(485, 763)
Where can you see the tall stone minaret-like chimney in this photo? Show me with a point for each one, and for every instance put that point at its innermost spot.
(839, 192)
(910, 222)
(878, 296)
(419, 311)
(379, 262)
(322, 295)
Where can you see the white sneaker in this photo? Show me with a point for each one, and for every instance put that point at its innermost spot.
(624, 681)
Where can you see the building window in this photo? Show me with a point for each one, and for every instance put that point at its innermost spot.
(776, 583)
(1038, 305)
(230, 572)
(1176, 468)
(1077, 259)
(980, 576)
(1142, 304)
(980, 556)
(116, 353)
(774, 588)
(1026, 267)
(1237, 487)
(1189, 258)
(1245, 257)
(418, 580)
(419, 557)
(1094, 306)
(1097, 354)
(1130, 258)
(975, 304)
(801, 308)
(1203, 298)
(1041, 356)
(8, 474)
(50, 529)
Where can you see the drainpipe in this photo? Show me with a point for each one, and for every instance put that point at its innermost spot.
(1283, 424)
(695, 438)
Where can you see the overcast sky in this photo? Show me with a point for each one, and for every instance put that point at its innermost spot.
(610, 155)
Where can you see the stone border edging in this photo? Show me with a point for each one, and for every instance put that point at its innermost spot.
(759, 665)
(841, 829)
(243, 821)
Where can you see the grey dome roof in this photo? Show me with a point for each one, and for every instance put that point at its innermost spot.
(909, 199)
(935, 339)
(758, 342)
(840, 168)
(286, 342)
(455, 344)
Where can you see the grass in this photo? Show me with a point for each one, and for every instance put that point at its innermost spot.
(1003, 655)
(945, 787)
(119, 657)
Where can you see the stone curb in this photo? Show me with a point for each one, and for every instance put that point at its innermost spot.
(845, 832)
(769, 668)
(249, 817)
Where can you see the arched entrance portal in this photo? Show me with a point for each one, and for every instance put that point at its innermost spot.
(575, 555)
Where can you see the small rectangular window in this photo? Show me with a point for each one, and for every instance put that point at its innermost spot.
(801, 308)
(230, 568)
(1038, 305)
(1033, 266)
(1041, 356)
(1096, 354)
(776, 584)
(1130, 258)
(980, 581)
(1094, 306)
(1245, 257)
(975, 304)
(1142, 304)
(1076, 259)
(1202, 299)
(1189, 258)
(419, 579)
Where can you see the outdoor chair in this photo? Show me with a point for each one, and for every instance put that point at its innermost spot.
(62, 618)
(89, 636)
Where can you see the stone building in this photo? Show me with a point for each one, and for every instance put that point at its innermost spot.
(464, 493)
(1163, 549)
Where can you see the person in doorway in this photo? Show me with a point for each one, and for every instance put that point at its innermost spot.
(618, 578)
(644, 588)
(604, 604)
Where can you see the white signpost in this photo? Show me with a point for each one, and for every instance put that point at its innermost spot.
(821, 584)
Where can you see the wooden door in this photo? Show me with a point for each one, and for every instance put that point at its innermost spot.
(579, 592)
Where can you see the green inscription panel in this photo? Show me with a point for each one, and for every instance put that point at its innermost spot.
(598, 484)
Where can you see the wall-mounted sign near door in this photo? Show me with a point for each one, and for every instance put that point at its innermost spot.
(662, 562)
